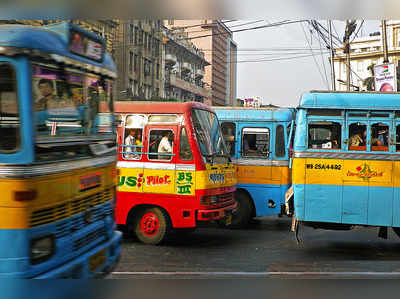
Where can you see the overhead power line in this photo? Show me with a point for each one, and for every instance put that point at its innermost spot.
(286, 22)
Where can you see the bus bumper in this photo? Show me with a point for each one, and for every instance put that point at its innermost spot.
(95, 263)
(216, 214)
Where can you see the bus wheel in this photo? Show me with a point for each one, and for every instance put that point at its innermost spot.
(396, 230)
(152, 226)
(244, 211)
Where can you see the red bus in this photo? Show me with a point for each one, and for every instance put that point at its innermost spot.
(174, 169)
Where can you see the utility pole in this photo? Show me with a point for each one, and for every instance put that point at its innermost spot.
(384, 42)
(332, 64)
(350, 27)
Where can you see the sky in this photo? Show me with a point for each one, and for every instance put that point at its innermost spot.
(282, 82)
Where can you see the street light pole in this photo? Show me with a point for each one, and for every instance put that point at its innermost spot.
(347, 47)
(384, 42)
(332, 64)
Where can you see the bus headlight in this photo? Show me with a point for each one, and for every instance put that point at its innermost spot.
(208, 200)
(42, 249)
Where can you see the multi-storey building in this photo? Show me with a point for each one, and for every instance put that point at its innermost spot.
(216, 40)
(139, 59)
(183, 68)
(366, 51)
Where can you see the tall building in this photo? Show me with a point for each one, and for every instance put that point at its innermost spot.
(139, 59)
(216, 40)
(184, 68)
(364, 52)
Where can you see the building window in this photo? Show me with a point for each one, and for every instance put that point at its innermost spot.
(158, 71)
(130, 62)
(135, 65)
(131, 33)
(136, 35)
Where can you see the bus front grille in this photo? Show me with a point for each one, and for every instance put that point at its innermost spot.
(69, 209)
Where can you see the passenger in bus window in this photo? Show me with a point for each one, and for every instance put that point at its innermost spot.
(130, 141)
(46, 88)
(164, 146)
(358, 139)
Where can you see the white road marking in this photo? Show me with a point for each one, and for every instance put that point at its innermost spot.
(261, 273)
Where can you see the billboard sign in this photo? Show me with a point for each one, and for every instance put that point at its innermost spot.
(385, 77)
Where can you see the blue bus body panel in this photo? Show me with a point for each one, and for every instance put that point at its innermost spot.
(69, 247)
(264, 118)
(369, 204)
(337, 100)
(355, 205)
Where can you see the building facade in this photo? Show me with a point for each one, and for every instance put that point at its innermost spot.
(364, 52)
(139, 60)
(215, 39)
(184, 68)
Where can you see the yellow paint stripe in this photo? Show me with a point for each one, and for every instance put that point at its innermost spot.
(346, 172)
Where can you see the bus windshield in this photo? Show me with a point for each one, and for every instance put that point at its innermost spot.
(208, 133)
(69, 103)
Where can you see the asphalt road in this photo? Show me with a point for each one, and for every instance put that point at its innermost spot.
(266, 248)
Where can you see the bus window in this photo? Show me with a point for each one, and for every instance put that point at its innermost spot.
(280, 142)
(324, 135)
(133, 137)
(398, 138)
(163, 118)
(133, 144)
(379, 137)
(161, 145)
(357, 137)
(255, 142)
(185, 151)
(9, 115)
(228, 131)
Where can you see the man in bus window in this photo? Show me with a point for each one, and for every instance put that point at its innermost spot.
(358, 139)
(46, 88)
(164, 146)
(130, 141)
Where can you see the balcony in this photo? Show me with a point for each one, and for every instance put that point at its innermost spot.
(199, 74)
(176, 81)
(170, 59)
(185, 67)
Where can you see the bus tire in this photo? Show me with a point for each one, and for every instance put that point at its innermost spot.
(152, 226)
(397, 231)
(244, 211)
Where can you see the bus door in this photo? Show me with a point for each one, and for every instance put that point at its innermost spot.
(255, 166)
(161, 148)
(130, 139)
(380, 172)
(355, 189)
(279, 152)
(395, 139)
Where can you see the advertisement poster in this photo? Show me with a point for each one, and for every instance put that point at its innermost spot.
(385, 77)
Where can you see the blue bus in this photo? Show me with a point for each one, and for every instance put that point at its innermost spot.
(346, 162)
(57, 153)
(257, 141)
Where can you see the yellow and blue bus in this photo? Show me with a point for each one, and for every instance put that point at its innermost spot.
(346, 164)
(57, 153)
(257, 141)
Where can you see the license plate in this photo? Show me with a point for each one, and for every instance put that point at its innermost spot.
(228, 220)
(97, 260)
